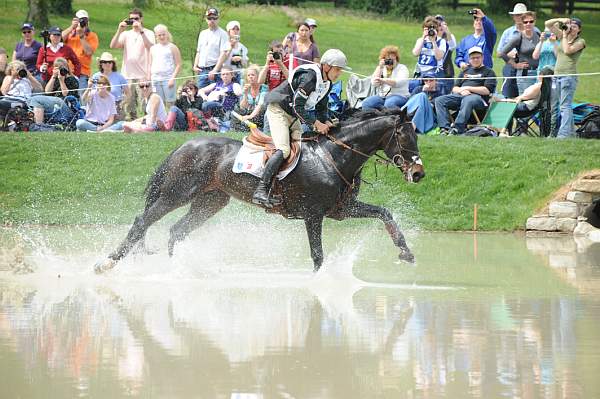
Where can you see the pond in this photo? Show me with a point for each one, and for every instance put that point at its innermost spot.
(237, 313)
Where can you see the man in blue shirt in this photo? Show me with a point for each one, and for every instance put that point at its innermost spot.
(483, 37)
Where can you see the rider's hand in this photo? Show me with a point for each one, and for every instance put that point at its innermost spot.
(321, 127)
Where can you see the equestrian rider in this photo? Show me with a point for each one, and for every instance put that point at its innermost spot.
(289, 106)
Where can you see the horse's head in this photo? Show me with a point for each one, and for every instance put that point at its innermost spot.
(400, 146)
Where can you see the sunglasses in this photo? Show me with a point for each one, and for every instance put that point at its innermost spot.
(528, 22)
(212, 18)
(143, 86)
(106, 62)
(135, 18)
(26, 31)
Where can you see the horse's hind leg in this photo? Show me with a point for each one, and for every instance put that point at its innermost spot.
(203, 207)
(357, 209)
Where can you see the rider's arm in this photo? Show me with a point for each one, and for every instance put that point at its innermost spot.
(305, 83)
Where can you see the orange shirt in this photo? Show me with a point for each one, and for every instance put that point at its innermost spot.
(86, 60)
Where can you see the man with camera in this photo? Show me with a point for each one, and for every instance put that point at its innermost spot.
(212, 42)
(484, 37)
(54, 48)
(568, 31)
(84, 43)
(475, 84)
(136, 44)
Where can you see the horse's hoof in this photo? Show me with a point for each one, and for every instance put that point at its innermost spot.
(104, 265)
(406, 256)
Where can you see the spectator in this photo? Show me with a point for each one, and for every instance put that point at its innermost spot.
(468, 94)
(430, 49)
(275, 70)
(211, 43)
(101, 106)
(545, 52)
(509, 88)
(251, 105)
(312, 24)
(56, 49)
(235, 56)
(484, 37)
(221, 96)
(420, 103)
(19, 82)
(165, 64)
(524, 64)
(155, 117)
(391, 80)
(3, 63)
(568, 31)
(84, 43)
(27, 49)
(119, 88)
(302, 46)
(447, 66)
(61, 84)
(189, 100)
(136, 44)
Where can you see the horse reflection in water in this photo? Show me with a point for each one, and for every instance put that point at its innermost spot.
(325, 182)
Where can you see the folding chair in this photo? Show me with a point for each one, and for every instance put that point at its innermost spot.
(499, 116)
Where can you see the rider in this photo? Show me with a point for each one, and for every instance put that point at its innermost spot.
(290, 105)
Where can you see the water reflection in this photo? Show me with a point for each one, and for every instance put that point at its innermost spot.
(295, 336)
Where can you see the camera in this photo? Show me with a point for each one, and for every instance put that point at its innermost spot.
(431, 31)
(472, 12)
(563, 26)
(22, 73)
(63, 71)
(83, 22)
(236, 38)
(547, 34)
(45, 34)
(276, 55)
(516, 59)
(129, 21)
(388, 61)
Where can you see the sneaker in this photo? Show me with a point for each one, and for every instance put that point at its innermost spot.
(444, 131)
(453, 132)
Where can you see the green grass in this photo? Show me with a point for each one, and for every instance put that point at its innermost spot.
(82, 178)
(360, 35)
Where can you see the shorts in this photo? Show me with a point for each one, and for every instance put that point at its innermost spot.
(161, 87)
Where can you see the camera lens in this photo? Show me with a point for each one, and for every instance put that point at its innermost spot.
(63, 71)
(276, 56)
(22, 73)
(129, 21)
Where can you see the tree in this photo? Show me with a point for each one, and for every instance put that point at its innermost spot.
(38, 13)
(61, 7)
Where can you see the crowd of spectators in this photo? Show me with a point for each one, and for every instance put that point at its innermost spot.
(112, 96)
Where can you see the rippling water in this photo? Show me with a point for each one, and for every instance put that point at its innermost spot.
(237, 313)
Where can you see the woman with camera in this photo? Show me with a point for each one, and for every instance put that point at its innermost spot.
(101, 107)
(156, 115)
(188, 101)
(235, 55)
(568, 31)
(54, 50)
(19, 82)
(165, 64)
(524, 43)
(119, 87)
(390, 80)
(27, 49)
(430, 49)
(84, 43)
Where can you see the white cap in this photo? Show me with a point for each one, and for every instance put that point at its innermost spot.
(519, 9)
(475, 49)
(231, 25)
(82, 14)
(335, 57)
(310, 22)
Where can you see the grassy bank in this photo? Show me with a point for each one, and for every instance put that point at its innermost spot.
(79, 178)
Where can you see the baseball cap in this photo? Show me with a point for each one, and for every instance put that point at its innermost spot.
(576, 21)
(310, 22)
(82, 14)
(428, 75)
(212, 12)
(335, 57)
(475, 49)
(231, 25)
(27, 26)
(55, 30)
(518, 9)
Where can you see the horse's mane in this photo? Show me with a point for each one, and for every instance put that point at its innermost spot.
(353, 116)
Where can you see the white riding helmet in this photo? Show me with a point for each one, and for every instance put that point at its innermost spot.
(335, 57)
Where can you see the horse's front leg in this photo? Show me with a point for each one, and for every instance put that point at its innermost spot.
(357, 209)
(314, 228)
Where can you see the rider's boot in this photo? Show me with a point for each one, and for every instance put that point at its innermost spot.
(261, 195)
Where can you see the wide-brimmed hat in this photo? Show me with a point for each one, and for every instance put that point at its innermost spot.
(106, 56)
(518, 9)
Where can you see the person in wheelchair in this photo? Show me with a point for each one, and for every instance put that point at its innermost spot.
(19, 82)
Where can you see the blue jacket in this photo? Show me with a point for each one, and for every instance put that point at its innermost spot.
(485, 41)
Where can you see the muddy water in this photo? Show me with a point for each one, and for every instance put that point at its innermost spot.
(236, 313)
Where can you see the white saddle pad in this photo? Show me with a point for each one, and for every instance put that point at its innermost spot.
(249, 159)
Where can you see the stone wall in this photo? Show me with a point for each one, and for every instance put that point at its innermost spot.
(570, 212)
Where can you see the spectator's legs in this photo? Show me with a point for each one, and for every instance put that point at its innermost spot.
(44, 106)
(525, 82)
(373, 102)
(509, 88)
(212, 106)
(394, 101)
(131, 102)
(442, 105)
(422, 112)
(467, 105)
(83, 125)
(176, 120)
(566, 87)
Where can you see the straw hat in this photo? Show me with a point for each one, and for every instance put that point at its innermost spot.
(106, 56)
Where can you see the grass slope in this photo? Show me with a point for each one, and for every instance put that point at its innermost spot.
(72, 178)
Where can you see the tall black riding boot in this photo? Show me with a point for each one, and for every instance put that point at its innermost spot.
(261, 195)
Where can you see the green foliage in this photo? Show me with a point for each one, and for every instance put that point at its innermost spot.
(407, 8)
(61, 7)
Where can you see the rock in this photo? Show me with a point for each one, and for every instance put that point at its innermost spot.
(583, 228)
(548, 244)
(594, 235)
(579, 196)
(564, 209)
(541, 223)
(587, 185)
(566, 224)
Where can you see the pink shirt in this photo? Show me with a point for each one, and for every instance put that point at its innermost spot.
(100, 109)
(135, 54)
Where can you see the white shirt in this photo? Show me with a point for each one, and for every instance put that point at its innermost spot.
(210, 45)
(163, 61)
(400, 75)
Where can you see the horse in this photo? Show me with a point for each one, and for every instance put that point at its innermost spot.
(324, 183)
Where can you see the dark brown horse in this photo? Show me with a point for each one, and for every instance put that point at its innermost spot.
(325, 182)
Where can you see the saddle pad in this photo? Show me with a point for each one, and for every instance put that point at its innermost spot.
(249, 159)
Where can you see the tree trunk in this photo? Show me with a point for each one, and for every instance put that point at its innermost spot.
(38, 13)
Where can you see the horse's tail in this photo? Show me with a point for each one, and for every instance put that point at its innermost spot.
(152, 189)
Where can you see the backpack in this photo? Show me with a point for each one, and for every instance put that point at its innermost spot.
(590, 126)
(481, 131)
(198, 120)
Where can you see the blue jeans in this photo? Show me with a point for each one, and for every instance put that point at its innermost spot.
(180, 119)
(378, 102)
(203, 79)
(50, 104)
(525, 82)
(509, 88)
(422, 112)
(465, 105)
(85, 125)
(565, 87)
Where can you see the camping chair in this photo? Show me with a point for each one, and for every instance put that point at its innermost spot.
(499, 116)
(357, 89)
(14, 114)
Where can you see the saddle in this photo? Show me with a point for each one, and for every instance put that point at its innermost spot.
(259, 139)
